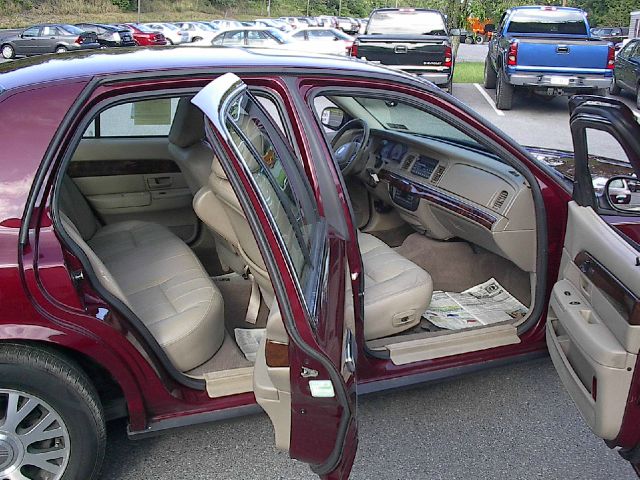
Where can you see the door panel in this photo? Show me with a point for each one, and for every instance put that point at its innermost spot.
(593, 324)
(134, 179)
(589, 334)
(304, 375)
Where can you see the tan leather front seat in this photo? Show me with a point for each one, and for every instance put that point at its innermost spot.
(396, 291)
(156, 274)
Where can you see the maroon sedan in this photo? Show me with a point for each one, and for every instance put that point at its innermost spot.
(145, 36)
(191, 235)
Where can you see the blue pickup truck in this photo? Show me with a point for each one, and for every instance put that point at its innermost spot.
(548, 51)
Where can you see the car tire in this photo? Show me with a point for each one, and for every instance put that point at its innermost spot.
(169, 42)
(51, 387)
(490, 75)
(8, 52)
(504, 93)
(196, 39)
(615, 88)
(61, 49)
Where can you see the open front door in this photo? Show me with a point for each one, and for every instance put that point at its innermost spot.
(593, 327)
(304, 375)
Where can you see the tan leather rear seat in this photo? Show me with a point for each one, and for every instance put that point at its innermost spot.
(156, 274)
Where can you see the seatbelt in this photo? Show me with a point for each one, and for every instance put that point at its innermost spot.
(254, 300)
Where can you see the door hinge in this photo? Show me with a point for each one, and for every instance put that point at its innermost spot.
(308, 372)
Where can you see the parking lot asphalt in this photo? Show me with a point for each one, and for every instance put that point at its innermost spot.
(513, 422)
(534, 120)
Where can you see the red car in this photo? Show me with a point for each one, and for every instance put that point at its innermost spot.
(145, 36)
(197, 235)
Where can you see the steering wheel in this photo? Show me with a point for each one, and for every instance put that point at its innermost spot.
(350, 154)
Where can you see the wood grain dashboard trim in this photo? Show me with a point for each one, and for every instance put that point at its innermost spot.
(439, 198)
(623, 299)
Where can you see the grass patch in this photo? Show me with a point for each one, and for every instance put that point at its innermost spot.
(472, 72)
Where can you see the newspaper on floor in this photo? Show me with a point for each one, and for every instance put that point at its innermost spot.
(248, 339)
(483, 304)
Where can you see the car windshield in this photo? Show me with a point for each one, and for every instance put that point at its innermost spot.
(277, 34)
(72, 29)
(409, 22)
(170, 26)
(401, 117)
(548, 20)
(340, 34)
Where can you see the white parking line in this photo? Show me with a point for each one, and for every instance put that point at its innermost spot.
(488, 99)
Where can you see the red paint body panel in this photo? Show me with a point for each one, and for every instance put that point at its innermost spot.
(39, 301)
(146, 39)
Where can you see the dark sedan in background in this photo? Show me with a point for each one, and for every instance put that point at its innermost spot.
(109, 35)
(627, 70)
(50, 38)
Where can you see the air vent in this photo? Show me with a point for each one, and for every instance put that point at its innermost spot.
(408, 161)
(437, 175)
(500, 199)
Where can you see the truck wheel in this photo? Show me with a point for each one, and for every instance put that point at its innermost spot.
(490, 75)
(478, 39)
(54, 426)
(8, 52)
(61, 49)
(504, 93)
(615, 88)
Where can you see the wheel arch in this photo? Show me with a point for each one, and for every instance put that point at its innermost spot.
(119, 393)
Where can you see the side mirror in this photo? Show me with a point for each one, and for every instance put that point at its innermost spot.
(623, 193)
(332, 118)
(455, 32)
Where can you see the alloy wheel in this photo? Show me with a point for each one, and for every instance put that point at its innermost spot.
(7, 52)
(34, 440)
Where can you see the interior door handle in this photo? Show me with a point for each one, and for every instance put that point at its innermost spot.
(156, 183)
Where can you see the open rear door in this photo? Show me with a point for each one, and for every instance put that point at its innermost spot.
(593, 326)
(304, 375)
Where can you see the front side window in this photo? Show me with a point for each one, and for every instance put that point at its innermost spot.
(31, 32)
(280, 181)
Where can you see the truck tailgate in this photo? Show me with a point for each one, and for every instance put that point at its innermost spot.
(562, 55)
(399, 50)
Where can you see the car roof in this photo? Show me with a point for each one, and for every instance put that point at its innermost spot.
(87, 64)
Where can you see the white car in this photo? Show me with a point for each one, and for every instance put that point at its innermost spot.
(171, 32)
(273, 23)
(199, 32)
(251, 37)
(323, 40)
(226, 24)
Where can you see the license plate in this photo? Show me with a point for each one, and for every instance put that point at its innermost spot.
(559, 80)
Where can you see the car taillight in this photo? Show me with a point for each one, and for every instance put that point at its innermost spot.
(354, 50)
(512, 56)
(611, 57)
(448, 57)
(79, 40)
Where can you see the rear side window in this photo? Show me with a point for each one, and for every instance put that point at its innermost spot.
(280, 180)
(548, 21)
(409, 21)
(145, 118)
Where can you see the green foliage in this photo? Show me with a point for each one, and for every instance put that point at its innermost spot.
(123, 4)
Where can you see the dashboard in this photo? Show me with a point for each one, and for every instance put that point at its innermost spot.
(447, 190)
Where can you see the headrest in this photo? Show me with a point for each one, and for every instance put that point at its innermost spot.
(188, 124)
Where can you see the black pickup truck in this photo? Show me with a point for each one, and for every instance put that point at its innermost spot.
(414, 40)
